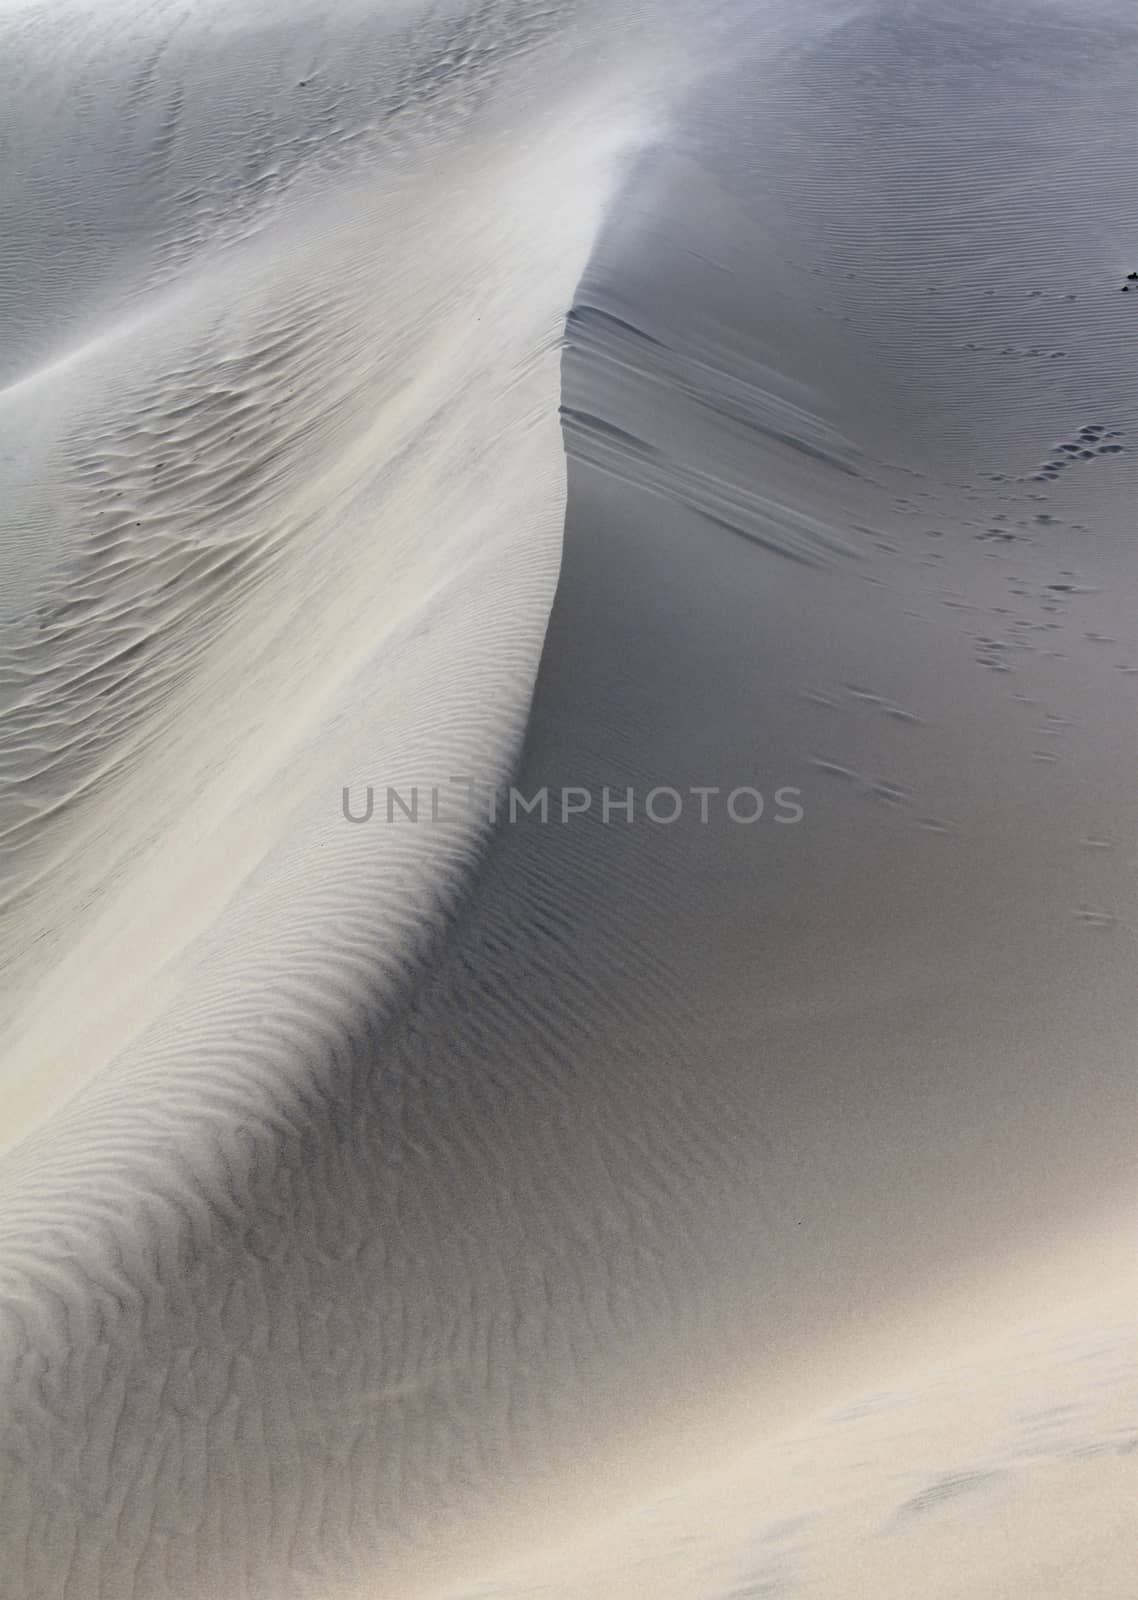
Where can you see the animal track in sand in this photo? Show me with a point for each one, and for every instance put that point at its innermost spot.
(1091, 440)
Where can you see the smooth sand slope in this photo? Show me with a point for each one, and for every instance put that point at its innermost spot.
(568, 1208)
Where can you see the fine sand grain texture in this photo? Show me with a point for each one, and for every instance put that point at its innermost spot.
(592, 1198)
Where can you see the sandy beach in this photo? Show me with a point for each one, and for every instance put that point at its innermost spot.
(568, 643)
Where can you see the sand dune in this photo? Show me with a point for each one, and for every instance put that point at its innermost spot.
(687, 398)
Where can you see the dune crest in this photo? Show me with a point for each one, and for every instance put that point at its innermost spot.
(702, 399)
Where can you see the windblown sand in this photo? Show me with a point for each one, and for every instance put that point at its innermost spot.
(704, 396)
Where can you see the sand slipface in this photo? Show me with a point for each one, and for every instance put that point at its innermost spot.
(622, 404)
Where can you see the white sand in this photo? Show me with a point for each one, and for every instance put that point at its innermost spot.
(576, 1210)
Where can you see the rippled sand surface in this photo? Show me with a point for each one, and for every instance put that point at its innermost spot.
(713, 425)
